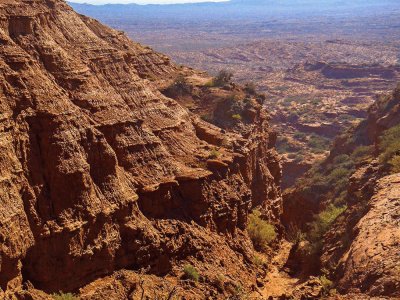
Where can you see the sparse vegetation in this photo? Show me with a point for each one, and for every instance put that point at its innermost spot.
(284, 145)
(191, 273)
(64, 296)
(300, 135)
(389, 147)
(318, 144)
(179, 87)
(394, 164)
(220, 282)
(361, 153)
(206, 118)
(214, 154)
(326, 285)
(258, 260)
(294, 234)
(260, 231)
(237, 117)
(237, 292)
(223, 77)
(250, 88)
(322, 222)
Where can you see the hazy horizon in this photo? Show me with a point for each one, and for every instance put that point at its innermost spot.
(102, 2)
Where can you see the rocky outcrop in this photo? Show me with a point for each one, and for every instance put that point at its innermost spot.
(372, 262)
(360, 249)
(101, 172)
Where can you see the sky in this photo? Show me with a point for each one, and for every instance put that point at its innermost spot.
(142, 1)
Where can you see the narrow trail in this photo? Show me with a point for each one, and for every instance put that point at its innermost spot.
(278, 282)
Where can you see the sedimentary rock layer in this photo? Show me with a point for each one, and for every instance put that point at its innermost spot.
(98, 170)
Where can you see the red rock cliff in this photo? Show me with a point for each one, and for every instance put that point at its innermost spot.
(100, 171)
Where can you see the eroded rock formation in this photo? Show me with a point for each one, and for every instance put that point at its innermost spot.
(101, 172)
(360, 249)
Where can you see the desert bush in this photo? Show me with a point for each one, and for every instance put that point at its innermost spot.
(293, 116)
(394, 164)
(219, 282)
(260, 98)
(206, 117)
(237, 292)
(389, 146)
(223, 77)
(179, 87)
(237, 117)
(361, 153)
(299, 135)
(322, 223)
(341, 159)
(191, 273)
(326, 285)
(64, 296)
(258, 261)
(338, 174)
(318, 144)
(214, 154)
(250, 88)
(260, 231)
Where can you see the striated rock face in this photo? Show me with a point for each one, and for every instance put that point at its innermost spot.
(99, 171)
(360, 248)
(371, 265)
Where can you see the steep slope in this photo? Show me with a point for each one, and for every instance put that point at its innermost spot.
(101, 172)
(354, 197)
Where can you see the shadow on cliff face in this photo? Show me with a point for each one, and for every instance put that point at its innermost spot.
(103, 172)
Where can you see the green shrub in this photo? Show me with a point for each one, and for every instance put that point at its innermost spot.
(322, 223)
(394, 164)
(361, 153)
(299, 135)
(340, 159)
(206, 118)
(179, 87)
(318, 144)
(214, 154)
(260, 231)
(338, 174)
(326, 284)
(191, 273)
(219, 281)
(258, 260)
(223, 77)
(283, 145)
(237, 117)
(62, 296)
(389, 147)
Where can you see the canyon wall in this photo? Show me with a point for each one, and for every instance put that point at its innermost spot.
(359, 250)
(101, 172)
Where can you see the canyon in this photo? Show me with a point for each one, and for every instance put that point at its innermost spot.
(124, 174)
(329, 57)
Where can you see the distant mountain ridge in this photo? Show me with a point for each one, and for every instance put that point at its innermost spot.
(234, 9)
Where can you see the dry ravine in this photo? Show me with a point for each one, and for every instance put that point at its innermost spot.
(125, 176)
